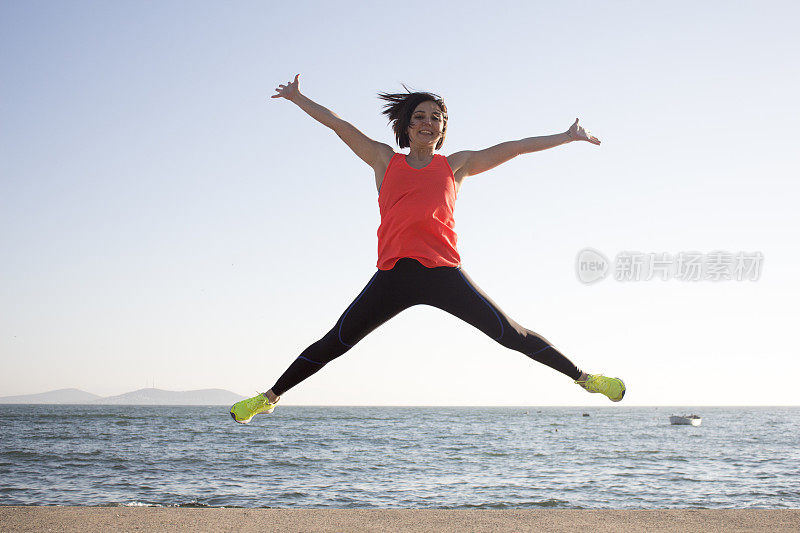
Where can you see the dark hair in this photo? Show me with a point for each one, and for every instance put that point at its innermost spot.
(401, 106)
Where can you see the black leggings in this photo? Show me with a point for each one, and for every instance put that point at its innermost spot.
(410, 283)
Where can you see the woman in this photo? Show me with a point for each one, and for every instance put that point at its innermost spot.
(418, 262)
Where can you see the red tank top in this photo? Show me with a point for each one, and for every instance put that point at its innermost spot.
(417, 214)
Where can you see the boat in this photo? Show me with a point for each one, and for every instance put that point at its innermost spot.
(685, 420)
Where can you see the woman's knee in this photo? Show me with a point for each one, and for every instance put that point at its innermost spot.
(327, 348)
(520, 338)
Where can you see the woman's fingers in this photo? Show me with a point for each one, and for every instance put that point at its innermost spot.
(579, 132)
(288, 90)
(591, 138)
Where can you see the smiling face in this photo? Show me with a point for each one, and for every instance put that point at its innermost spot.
(427, 124)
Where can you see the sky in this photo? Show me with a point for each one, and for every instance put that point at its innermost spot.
(164, 222)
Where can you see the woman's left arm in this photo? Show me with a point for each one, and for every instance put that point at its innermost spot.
(469, 163)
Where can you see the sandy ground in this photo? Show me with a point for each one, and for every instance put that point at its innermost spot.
(63, 519)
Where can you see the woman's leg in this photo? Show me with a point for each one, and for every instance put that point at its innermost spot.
(452, 290)
(384, 297)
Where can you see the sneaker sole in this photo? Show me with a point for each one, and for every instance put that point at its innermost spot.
(249, 419)
(240, 421)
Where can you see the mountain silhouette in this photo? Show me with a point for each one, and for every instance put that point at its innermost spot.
(138, 397)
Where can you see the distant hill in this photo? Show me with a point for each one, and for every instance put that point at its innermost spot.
(54, 396)
(165, 397)
(139, 397)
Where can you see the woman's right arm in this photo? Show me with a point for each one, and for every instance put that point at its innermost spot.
(373, 153)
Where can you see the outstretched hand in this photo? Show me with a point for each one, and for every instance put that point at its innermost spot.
(288, 91)
(577, 133)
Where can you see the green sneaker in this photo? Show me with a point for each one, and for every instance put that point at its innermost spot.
(614, 388)
(244, 411)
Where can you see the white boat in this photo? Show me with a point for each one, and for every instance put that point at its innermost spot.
(685, 420)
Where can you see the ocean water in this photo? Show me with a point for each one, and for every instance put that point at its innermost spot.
(394, 457)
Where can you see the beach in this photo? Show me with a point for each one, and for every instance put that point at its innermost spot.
(62, 519)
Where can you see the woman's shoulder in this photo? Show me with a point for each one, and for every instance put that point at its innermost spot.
(389, 156)
(457, 160)
(389, 152)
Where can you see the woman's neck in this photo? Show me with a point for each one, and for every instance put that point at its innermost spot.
(421, 153)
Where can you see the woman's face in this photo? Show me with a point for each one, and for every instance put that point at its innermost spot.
(426, 125)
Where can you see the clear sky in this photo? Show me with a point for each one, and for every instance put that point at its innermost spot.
(162, 220)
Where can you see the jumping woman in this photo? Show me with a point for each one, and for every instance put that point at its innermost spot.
(417, 258)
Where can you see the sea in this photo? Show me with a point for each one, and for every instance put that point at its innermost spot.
(400, 457)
